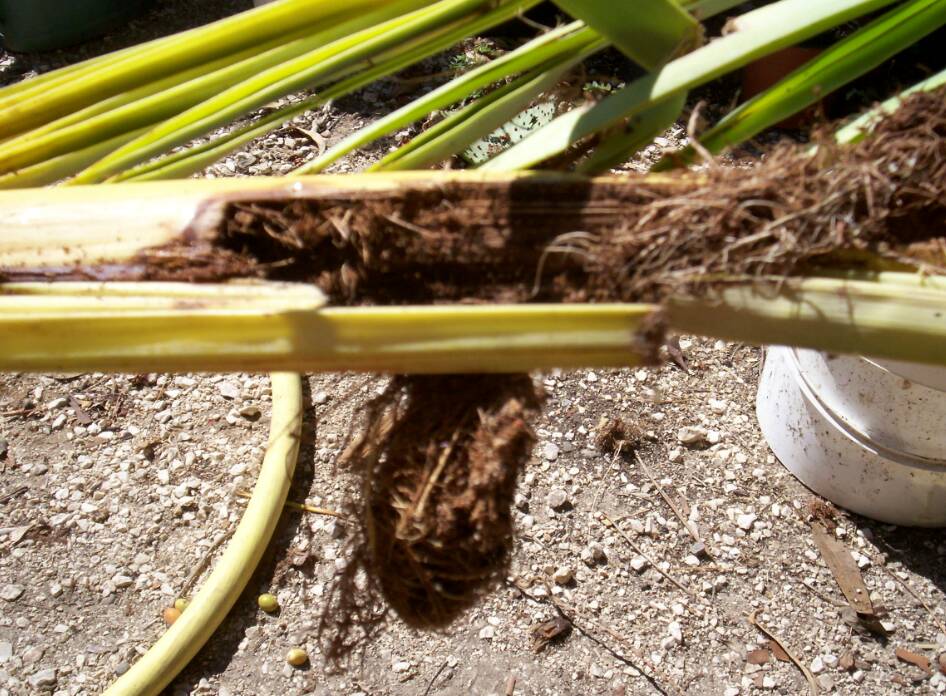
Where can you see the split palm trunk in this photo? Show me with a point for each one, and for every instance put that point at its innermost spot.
(473, 272)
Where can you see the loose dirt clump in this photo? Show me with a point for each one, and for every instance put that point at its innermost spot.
(439, 457)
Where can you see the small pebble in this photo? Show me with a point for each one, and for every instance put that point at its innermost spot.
(557, 499)
(563, 575)
(251, 412)
(33, 654)
(170, 615)
(817, 665)
(691, 435)
(745, 521)
(229, 390)
(44, 678)
(639, 563)
(11, 593)
(550, 451)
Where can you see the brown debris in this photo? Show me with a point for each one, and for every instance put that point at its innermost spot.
(779, 651)
(615, 434)
(439, 458)
(776, 640)
(759, 657)
(848, 576)
(548, 632)
(914, 659)
(847, 661)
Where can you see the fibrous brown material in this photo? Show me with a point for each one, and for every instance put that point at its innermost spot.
(879, 203)
(439, 458)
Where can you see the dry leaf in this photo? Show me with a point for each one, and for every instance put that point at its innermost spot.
(17, 533)
(779, 652)
(759, 657)
(315, 137)
(545, 633)
(913, 658)
(846, 662)
(845, 571)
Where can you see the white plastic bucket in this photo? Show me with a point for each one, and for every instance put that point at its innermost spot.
(867, 435)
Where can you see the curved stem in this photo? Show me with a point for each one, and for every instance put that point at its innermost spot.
(171, 653)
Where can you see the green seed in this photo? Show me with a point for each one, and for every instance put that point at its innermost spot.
(268, 603)
(297, 657)
(181, 603)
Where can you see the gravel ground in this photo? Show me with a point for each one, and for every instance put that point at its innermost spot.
(641, 570)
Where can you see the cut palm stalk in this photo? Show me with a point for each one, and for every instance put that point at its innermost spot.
(836, 66)
(194, 159)
(540, 54)
(637, 133)
(180, 327)
(210, 606)
(129, 327)
(789, 21)
(896, 316)
(479, 118)
(29, 108)
(648, 32)
(154, 102)
(81, 226)
(855, 131)
(549, 47)
(311, 69)
(57, 168)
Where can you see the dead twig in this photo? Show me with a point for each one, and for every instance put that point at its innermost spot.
(636, 661)
(614, 460)
(812, 683)
(689, 526)
(304, 507)
(692, 124)
(14, 493)
(824, 598)
(430, 684)
(909, 590)
(204, 561)
(651, 561)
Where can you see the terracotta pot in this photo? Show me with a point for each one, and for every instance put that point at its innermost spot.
(765, 72)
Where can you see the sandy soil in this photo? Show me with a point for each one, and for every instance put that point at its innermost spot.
(114, 488)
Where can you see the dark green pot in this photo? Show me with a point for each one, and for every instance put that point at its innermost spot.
(45, 25)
